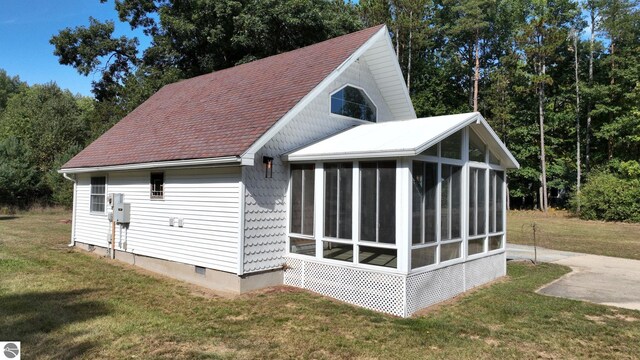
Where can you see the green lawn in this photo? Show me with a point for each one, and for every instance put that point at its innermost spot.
(557, 230)
(64, 304)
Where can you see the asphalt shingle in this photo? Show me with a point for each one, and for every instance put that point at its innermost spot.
(219, 114)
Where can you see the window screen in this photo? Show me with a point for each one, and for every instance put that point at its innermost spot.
(302, 198)
(338, 192)
(378, 201)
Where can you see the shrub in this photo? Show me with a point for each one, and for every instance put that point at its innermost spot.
(609, 196)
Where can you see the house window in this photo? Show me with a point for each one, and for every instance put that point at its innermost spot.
(157, 185)
(98, 192)
(338, 192)
(302, 198)
(353, 102)
(378, 201)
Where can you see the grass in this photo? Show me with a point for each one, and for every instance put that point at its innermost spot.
(66, 304)
(558, 230)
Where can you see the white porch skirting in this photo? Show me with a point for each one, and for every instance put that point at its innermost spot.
(395, 294)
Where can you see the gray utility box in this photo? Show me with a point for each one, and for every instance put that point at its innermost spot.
(123, 213)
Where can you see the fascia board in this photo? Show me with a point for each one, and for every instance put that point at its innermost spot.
(350, 155)
(221, 161)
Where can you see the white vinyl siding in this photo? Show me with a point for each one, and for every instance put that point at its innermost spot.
(207, 201)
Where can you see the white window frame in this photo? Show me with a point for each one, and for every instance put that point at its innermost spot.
(355, 242)
(91, 194)
(488, 168)
(291, 234)
(375, 107)
(156, 197)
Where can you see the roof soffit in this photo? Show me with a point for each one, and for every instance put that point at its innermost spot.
(383, 65)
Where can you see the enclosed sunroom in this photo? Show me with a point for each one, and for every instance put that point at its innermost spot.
(397, 216)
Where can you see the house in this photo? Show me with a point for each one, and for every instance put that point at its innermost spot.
(307, 168)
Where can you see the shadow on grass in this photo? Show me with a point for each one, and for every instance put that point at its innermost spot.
(8, 217)
(34, 317)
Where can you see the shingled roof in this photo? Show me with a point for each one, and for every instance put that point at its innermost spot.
(219, 114)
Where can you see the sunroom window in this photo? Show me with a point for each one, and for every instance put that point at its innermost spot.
(477, 202)
(425, 192)
(476, 148)
(450, 204)
(302, 198)
(353, 102)
(451, 147)
(378, 201)
(496, 183)
(302, 209)
(338, 192)
(378, 212)
(424, 213)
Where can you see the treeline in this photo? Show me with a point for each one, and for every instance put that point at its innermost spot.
(557, 79)
(41, 127)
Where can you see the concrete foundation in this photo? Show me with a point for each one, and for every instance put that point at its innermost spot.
(212, 279)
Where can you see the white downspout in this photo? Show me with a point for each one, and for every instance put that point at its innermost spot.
(73, 214)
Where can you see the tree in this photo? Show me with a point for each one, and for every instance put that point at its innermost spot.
(18, 177)
(84, 48)
(191, 38)
(620, 23)
(45, 119)
(8, 86)
(41, 122)
(546, 31)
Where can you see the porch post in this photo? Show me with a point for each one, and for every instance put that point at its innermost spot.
(403, 214)
(318, 210)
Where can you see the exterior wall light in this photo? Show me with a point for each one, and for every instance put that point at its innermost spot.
(268, 163)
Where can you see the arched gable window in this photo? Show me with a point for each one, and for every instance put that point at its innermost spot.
(354, 103)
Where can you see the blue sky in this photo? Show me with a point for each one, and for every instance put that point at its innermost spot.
(26, 27)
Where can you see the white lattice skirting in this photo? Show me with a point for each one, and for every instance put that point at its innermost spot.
(395, 294)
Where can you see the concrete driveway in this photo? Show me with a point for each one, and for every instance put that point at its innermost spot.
(598, 279)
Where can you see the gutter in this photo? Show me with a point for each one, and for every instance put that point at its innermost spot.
(73, 213)
(227, 160)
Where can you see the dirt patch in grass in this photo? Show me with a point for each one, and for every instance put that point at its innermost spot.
(602, 319)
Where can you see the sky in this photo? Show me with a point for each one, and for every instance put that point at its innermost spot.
(26, 26)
